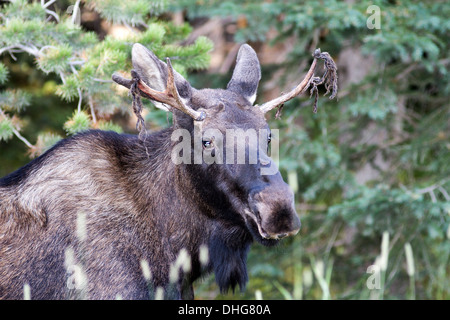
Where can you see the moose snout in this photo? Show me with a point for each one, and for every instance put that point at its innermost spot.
(274, 211)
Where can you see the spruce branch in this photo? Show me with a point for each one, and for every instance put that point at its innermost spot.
(16, 131)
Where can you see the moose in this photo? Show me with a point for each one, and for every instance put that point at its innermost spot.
(103, 215)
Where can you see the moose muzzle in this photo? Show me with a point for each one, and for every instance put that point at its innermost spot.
(272, 209)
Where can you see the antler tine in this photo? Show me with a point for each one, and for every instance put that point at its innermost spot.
(329, 78)
(170, 96)
(293, 93)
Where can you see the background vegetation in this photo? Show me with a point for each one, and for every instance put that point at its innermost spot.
(371, 171)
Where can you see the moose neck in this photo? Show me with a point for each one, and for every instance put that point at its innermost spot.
(160, 184)
(199, 213)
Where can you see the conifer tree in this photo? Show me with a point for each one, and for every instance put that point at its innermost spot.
(50, 32)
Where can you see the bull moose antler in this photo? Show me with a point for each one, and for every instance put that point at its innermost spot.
(169, 96)
(329, 78)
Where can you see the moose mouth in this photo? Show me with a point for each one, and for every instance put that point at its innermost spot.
(254, 224)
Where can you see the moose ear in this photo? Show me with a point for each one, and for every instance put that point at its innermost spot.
(154, 73)
(246, 74)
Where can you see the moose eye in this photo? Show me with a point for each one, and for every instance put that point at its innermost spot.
(207, 144)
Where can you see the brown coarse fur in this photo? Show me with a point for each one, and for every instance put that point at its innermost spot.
(78, 176)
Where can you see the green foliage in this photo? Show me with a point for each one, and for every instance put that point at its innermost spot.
(14, 100)
(109, 126)
(68, 90)
(376, 107)
(364, 208)
(3, 73)
(54, 58)
(79, 122)
(45, 141)
(6, 129)
(131, 12)
(80, 62)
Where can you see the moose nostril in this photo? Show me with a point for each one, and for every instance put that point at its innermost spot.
(282, 235)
